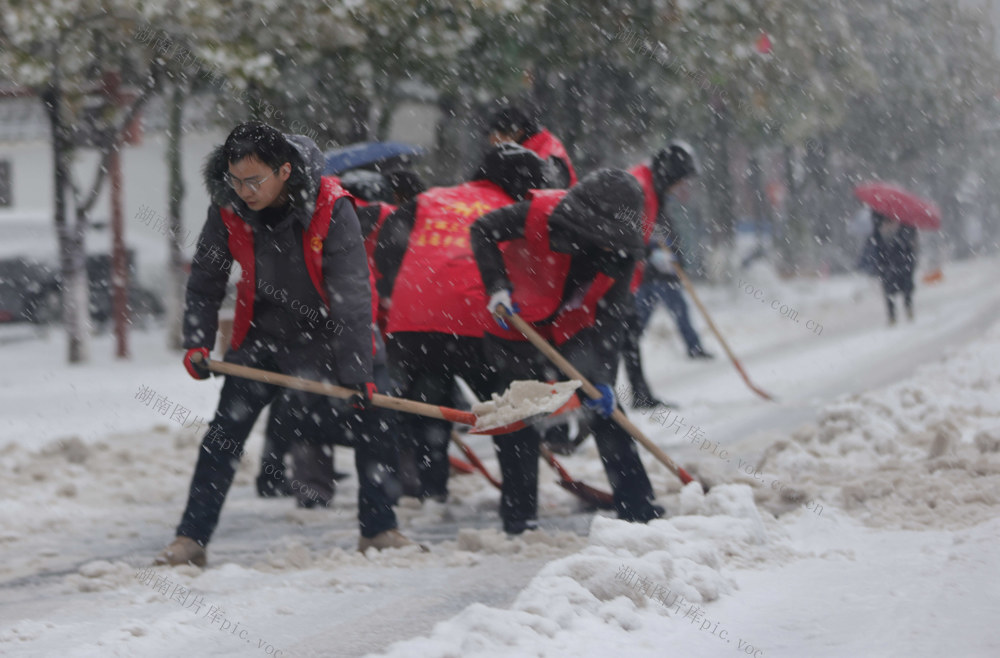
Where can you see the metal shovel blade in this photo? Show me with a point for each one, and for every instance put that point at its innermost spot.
(523, 402)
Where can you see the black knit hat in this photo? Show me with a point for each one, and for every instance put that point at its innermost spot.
(366, 185)
(674, 163)
(512, 167)
(405, 183)
(511, 119)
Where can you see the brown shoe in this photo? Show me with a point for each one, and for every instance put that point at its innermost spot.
(183, 550)
(388, 539)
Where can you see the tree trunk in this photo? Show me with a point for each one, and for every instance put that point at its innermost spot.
(788, 238)
(384, 121)
(76, 288)
(719, 186)
(448, 148)
(119, 259)
(176, 276)
(721, 194)
(72, 256)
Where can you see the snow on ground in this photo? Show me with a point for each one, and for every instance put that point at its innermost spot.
(872, 531)
(857, 516)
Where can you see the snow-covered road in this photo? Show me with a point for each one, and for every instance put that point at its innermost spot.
(80, 516)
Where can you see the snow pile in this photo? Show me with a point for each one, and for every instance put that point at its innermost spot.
(69, 485)
(924, 453)
(628, 577)
(521, 400)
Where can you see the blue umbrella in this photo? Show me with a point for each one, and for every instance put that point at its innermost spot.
(366, 153)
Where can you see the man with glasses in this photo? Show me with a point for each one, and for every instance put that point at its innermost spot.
(303, 308)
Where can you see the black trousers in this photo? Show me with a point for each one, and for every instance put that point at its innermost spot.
(632, 356)
(312, 460)
(304, 416)
(892, 288)
(518, 451)
(424, 366)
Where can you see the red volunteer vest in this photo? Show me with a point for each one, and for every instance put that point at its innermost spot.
(651, 211)
(241, 248)
(545, 145)
(538, 276)
(438, 287)
(384, 210)
(381, 316)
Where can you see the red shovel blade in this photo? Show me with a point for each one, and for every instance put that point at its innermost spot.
(594, 497)
(460, 465)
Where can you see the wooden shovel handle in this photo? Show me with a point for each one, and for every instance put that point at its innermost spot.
(715, 330)
(342, 392)
(553, 355)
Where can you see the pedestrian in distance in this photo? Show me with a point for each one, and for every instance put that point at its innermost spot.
(894, 255)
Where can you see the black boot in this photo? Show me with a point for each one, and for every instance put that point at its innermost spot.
(643, 398)
(698, 352)
(273, 485)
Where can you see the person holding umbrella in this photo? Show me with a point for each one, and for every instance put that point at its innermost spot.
(894, 250)
(897, 214)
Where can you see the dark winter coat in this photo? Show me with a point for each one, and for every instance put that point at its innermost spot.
(895, 255)
(657, 202)
(332, 342)
(583, 224)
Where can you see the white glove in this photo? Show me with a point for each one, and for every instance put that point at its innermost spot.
(500, 298)
(663, 260)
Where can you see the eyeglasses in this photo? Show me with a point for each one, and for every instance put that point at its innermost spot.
(253, 183)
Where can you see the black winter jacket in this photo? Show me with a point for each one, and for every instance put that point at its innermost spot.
(332, 343)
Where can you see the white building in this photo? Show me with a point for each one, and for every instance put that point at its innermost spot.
(26, 213)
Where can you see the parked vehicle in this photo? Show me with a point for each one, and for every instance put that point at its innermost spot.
(30, 291)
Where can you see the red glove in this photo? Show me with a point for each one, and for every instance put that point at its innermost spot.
(197, 369)
(363, 399)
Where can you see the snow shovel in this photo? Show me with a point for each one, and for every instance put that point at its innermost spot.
(593, 497)
(618, 416)
(554, 398)
(462, 467)
(473, 458)
(711, 325)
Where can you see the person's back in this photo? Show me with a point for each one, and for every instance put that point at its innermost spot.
(895, 257)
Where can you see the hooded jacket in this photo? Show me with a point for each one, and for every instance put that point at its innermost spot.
(551, 150)
(568, 257)
(327, 330)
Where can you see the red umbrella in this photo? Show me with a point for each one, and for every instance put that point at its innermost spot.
(899, 204)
